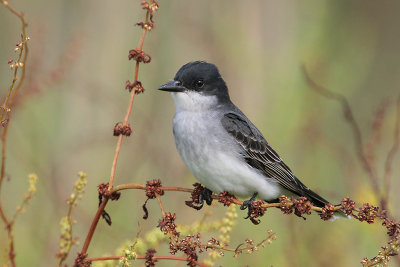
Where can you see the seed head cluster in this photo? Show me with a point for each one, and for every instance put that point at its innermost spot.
(256, 210)
(393, 227)
(154, 187)
(135, 85)
(190, 245)
(226, 198)
(302, 206)
(139, 55)
(195, 195)
(81, 261)
(299, 207)
(167, 224)
(122, 129)
(150, 261)
(104, 192)
(348, 206)
(327, 212)
(368, 213)
(151, 8)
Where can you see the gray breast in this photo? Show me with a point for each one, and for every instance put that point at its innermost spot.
(199, 136)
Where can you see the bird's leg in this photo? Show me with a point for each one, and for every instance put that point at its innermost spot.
(249, 204)
(205, 195)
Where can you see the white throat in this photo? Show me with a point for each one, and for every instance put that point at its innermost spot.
(193, 101)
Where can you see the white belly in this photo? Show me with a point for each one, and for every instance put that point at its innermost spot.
(212, 155)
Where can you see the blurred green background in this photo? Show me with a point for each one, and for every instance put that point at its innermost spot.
(74, 94)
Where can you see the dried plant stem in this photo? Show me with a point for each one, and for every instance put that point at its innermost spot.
(391, 155)
(2, 171)
(143, 187)
(348, 114)
(381, 195)
(117, 150)
(128, 112)
(161, 205)
(188, 190)
(115, 160)
(11, 95)
(23, 53)
(239, 249)
(9, 224)
(143, 258)
(93, 226)
(366, 213)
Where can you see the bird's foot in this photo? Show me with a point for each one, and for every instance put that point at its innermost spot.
(248, 204)
(206, 195)
(199, 195)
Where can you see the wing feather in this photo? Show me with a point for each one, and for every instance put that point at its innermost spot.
(260, 155)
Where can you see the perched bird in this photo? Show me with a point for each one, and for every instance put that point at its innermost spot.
(221, 146)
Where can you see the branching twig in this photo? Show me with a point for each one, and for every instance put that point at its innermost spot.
(391, 155)
(188, 190)
(392, 226)
(128, 112)
(93, 226)
(23, 50)
(143, 258)
(124, 129)
(250, 247)
(299, 207)
(348, 114)
(161, 205)
(20, 63)
(376, 127)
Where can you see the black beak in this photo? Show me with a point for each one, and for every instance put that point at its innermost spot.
(172, 86)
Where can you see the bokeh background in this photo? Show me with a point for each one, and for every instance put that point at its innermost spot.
(74, 94)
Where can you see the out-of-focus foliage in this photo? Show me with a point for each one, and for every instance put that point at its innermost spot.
(74, 94)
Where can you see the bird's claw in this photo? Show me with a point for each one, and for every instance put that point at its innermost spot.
(248, 204)
(205, 195)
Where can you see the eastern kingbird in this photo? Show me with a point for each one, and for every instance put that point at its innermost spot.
(221, 146)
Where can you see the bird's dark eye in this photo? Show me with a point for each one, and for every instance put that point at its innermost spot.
(199, 83)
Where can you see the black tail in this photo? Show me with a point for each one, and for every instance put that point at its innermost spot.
(314, 198)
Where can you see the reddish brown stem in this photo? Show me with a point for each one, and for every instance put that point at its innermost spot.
(93, 226)
(115, 160)
(13, 92)
(8, 223)
(11, 252)
(348, 114)
(2, 171)
(116, 154)
(128, 112)
(143, 187)
(188, 190)
(391, 155)
(160, 203)
(143, 258)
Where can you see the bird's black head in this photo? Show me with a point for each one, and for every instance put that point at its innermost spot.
(201, 77)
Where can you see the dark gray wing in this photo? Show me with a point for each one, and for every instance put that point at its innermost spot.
(260, 155)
